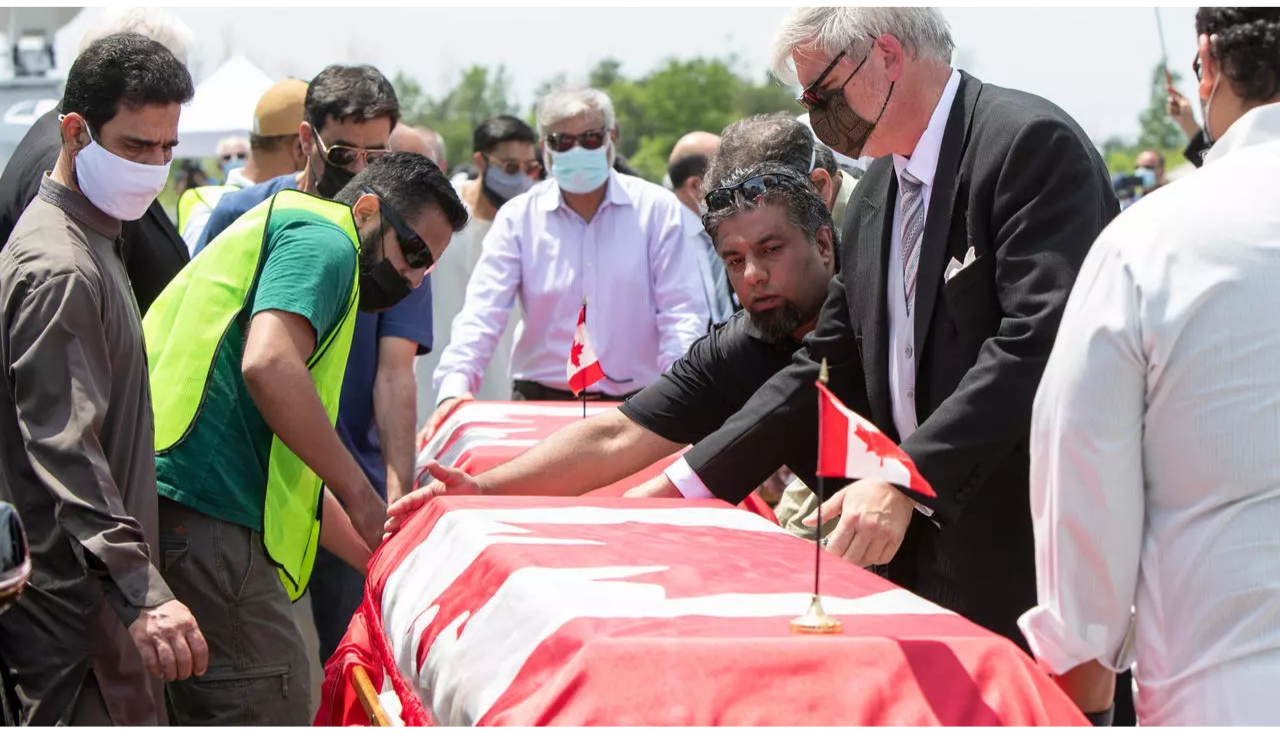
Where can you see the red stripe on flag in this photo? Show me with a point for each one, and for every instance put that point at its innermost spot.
(586, 377)
(833, 435)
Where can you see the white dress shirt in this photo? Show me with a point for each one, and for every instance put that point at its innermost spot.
(1155, 447)
(923, 164)
(645, 303)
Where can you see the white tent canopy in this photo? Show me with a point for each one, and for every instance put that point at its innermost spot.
(223, 106)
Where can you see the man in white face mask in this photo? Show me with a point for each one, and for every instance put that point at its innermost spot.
(98, 628)
(588, 233)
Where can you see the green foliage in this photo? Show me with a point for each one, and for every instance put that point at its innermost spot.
(480, 94)
(653, 111)
(1157, 131)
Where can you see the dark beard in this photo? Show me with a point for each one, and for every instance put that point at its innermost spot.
(778, 324)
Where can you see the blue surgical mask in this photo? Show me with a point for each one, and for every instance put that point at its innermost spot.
(504, 185)
(1148, 177)
(578, 170)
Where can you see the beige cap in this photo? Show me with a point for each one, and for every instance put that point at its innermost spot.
(279, 111)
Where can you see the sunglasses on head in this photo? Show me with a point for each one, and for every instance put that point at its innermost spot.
(415, 251)
(511, 166)
(344, 156)
(590, 140)
(751, 190)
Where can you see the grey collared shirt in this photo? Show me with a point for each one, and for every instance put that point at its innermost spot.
(76, 459)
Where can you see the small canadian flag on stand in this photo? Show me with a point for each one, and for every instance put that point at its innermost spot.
(851, 447)
(583, 368)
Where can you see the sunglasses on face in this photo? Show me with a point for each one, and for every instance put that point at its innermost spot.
(415, 251)
(239, 156)
(590, 140)
(344, 156)
(813, 98)
(751, 190)
(1195, 66)
(511, 166)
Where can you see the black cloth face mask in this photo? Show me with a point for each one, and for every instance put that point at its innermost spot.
(381, 285)
(333, 180)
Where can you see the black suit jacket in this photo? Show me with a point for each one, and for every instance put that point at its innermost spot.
(1020, 183)
(153, 250)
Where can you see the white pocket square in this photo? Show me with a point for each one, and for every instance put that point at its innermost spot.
(956, 266)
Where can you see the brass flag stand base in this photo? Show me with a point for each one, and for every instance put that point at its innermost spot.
(816, 621)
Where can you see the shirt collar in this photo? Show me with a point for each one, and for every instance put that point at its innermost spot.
(236, 177)
(923, 163)
(1257, 126)
(79, 207)
(551, 198)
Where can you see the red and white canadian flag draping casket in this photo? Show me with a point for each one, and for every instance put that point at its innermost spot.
(480, 435)
(622, 611)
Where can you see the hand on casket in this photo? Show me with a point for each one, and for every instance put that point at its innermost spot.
(446, 481)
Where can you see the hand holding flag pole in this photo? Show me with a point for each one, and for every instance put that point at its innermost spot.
(850, 447)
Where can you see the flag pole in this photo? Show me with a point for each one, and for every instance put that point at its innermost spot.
(584, 390)
(1164, 53)
(816, 619)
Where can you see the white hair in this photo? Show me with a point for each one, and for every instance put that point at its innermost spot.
(230, 143)
(160, 26)
(923, 32)
(568, 103)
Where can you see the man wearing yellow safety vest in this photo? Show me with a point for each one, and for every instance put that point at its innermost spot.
(274, 150)
(246, 351)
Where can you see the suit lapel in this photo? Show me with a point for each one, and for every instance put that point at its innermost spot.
(870, 242)
(934, 250)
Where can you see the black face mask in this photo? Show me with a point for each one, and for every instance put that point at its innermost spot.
(381, 285)
(333, 180)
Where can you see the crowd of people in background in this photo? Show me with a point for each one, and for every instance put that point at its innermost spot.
(186, 400)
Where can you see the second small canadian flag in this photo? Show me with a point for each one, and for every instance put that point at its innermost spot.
(583, 368)
(851, 447)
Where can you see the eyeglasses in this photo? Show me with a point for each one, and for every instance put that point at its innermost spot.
(415, 251)
(751, 190)
(590, 140)
(344, 156)
(238, 155)
(813, 98)
(512, 166)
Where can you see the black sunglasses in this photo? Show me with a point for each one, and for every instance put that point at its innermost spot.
(813, 98)
(1195, 66)
(590, 140)
(751, 189)
(415, 251)
(238, 155)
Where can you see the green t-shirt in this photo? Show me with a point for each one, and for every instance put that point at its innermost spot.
(220, 469)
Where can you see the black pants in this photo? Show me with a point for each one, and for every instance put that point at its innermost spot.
(527, 390)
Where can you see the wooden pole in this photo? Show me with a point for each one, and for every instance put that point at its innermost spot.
(369, 698)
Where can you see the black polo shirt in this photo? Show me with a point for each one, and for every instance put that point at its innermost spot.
(713, 380)
(152, 248)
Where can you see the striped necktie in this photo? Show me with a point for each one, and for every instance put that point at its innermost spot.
(912, 233)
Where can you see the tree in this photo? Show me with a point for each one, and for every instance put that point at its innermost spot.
(480, 94)
(1156, 130)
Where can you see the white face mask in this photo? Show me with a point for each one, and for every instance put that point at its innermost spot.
(119, 187)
